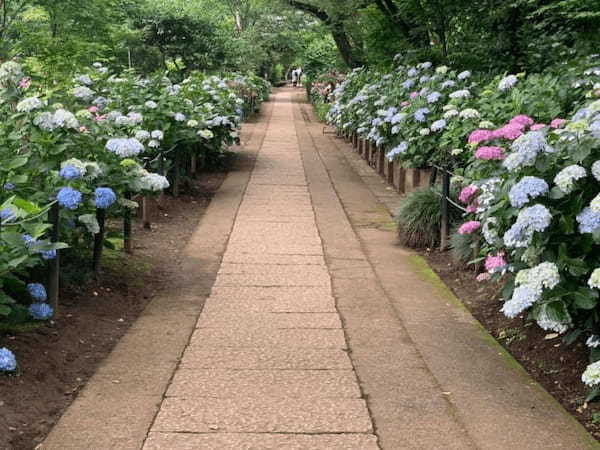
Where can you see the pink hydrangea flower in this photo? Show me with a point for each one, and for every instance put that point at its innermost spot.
(495, 263)
(82, 129)
(99, 118)
(537, 126)
(478, 136)
(469, 227)
(522, 120)
(557, 123)
(483, 277)
(414, 94)
(489, 153)
(93, 109)
(472, 208)
(405, 104)
(510, 132)
(25, 83)
(466, 195)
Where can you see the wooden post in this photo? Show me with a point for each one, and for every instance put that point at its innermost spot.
(54, 264)
(416, 178)
(361, 145)
(445, 229)
(194, 165)
(127, 240)
(146, 213)
(177, 176)
(381, 162)
(390, 172)
(99, 240)
(401, 180)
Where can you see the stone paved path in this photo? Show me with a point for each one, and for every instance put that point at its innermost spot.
(266, 366)
(298, 323)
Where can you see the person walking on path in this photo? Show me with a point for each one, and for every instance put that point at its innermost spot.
(294, 78)
(299, 76)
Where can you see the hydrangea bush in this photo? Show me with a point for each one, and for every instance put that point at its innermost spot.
(528, 150)
(88, 146)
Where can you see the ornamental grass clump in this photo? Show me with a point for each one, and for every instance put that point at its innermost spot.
(419, 218)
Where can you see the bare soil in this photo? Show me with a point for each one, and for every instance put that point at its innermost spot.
(553, 364)
(56, 360)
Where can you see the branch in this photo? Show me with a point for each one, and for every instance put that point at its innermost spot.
(312, 10)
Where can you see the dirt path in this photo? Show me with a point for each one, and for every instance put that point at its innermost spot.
(317, 331)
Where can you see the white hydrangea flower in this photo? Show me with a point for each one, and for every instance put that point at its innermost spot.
(469, 113)
(594, 280)
(192, 123)
(596, 170)
(451, 113)
(206, 134)
(591, 375)
(151, 104)
(463, 93)
(464, 75)
(154, 182)
(125, 147)
(154, 143)
(424, 131)
(544, 275)
(507, 82)
(142, 135)
(595, 204)
(593, 341)
(85, 80)
(29, 104)
(158, 135)
(83, 93)
(486, 124)
(179, 117)
(90, 222)
(546, 323)
(76, 163)
(565, 179)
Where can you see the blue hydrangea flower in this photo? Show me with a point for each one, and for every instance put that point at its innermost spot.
(589, 221)
(7, 215)
(529, 220)
(70, 173)
(523, 297)
(105, 197)
(41, 311)
(49, 254)
(421, 114)
(37, 292)
(9, 186)
(69, 198)
(29, 240)
(536, 217)
(526, 149)
(438, 125)
(407, 84)
(8, 362)
(433, 97)
(448, 84)
(526, 189)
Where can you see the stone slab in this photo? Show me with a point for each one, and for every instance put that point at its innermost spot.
(204, 357)
(290, 338)
(218, 383)
(238, 319)
(264, 415)
(260, 441)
